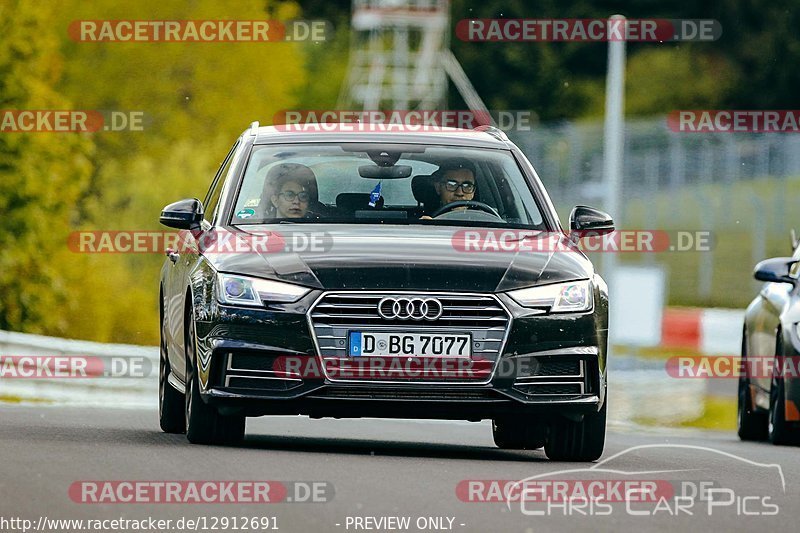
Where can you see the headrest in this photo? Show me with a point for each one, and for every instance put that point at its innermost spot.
(422, 188)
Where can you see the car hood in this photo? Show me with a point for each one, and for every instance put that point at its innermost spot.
(398, 257)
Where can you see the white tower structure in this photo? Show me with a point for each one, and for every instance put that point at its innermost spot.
(400, 58)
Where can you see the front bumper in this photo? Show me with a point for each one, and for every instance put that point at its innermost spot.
(545, 365)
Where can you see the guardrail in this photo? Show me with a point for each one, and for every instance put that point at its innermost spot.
(13, 343)
(635, 381)
(137, 390)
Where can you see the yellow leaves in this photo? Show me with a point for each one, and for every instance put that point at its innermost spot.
(197, 98)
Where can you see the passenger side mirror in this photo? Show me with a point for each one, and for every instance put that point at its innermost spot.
(775, 270)
(183, 214)
(584, 218)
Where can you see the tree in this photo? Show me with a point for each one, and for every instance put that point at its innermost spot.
(41, 176)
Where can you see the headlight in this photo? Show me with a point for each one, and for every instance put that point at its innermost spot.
(240, 290)
(568, 297)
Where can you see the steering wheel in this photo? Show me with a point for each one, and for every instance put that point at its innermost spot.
(469, 204)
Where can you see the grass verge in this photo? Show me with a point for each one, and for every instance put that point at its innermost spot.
(719, 414)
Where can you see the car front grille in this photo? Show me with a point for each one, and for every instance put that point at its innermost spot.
(551, 375)
(335, 315)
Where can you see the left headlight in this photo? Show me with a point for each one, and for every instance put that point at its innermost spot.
(241, 290)
(569, 297)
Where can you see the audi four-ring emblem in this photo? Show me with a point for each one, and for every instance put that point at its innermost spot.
(410, 308)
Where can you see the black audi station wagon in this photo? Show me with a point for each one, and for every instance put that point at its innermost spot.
(389, 274)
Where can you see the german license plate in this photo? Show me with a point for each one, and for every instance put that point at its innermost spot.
(382, 344)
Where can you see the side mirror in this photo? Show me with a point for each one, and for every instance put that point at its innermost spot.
(775, 270)
(584, 218)
(183, 214)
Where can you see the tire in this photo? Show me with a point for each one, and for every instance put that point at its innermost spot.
(517, 434)
(778, 430)
(577, 441)
(204, 424)
(751, 424)
(170, 402)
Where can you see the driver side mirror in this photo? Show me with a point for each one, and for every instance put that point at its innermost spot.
(775, 270)
(183, 214)
(584, 218)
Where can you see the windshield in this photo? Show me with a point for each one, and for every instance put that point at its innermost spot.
(391, 184)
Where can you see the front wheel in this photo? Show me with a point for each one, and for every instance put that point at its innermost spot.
(750, 424)
(204, 424)
(170, 401)
(779, 431)
(578, 441)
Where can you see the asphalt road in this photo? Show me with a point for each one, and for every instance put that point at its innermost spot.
(378, 469)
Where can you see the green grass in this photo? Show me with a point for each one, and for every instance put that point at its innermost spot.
(655, 352)
(719, 414)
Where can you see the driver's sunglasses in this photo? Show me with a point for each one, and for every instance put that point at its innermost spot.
(289, 196)
(466, 186)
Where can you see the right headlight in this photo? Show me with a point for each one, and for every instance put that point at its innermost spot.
(569, 297)
(241, 290)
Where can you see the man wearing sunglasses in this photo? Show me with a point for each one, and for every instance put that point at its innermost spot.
(454, 181)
